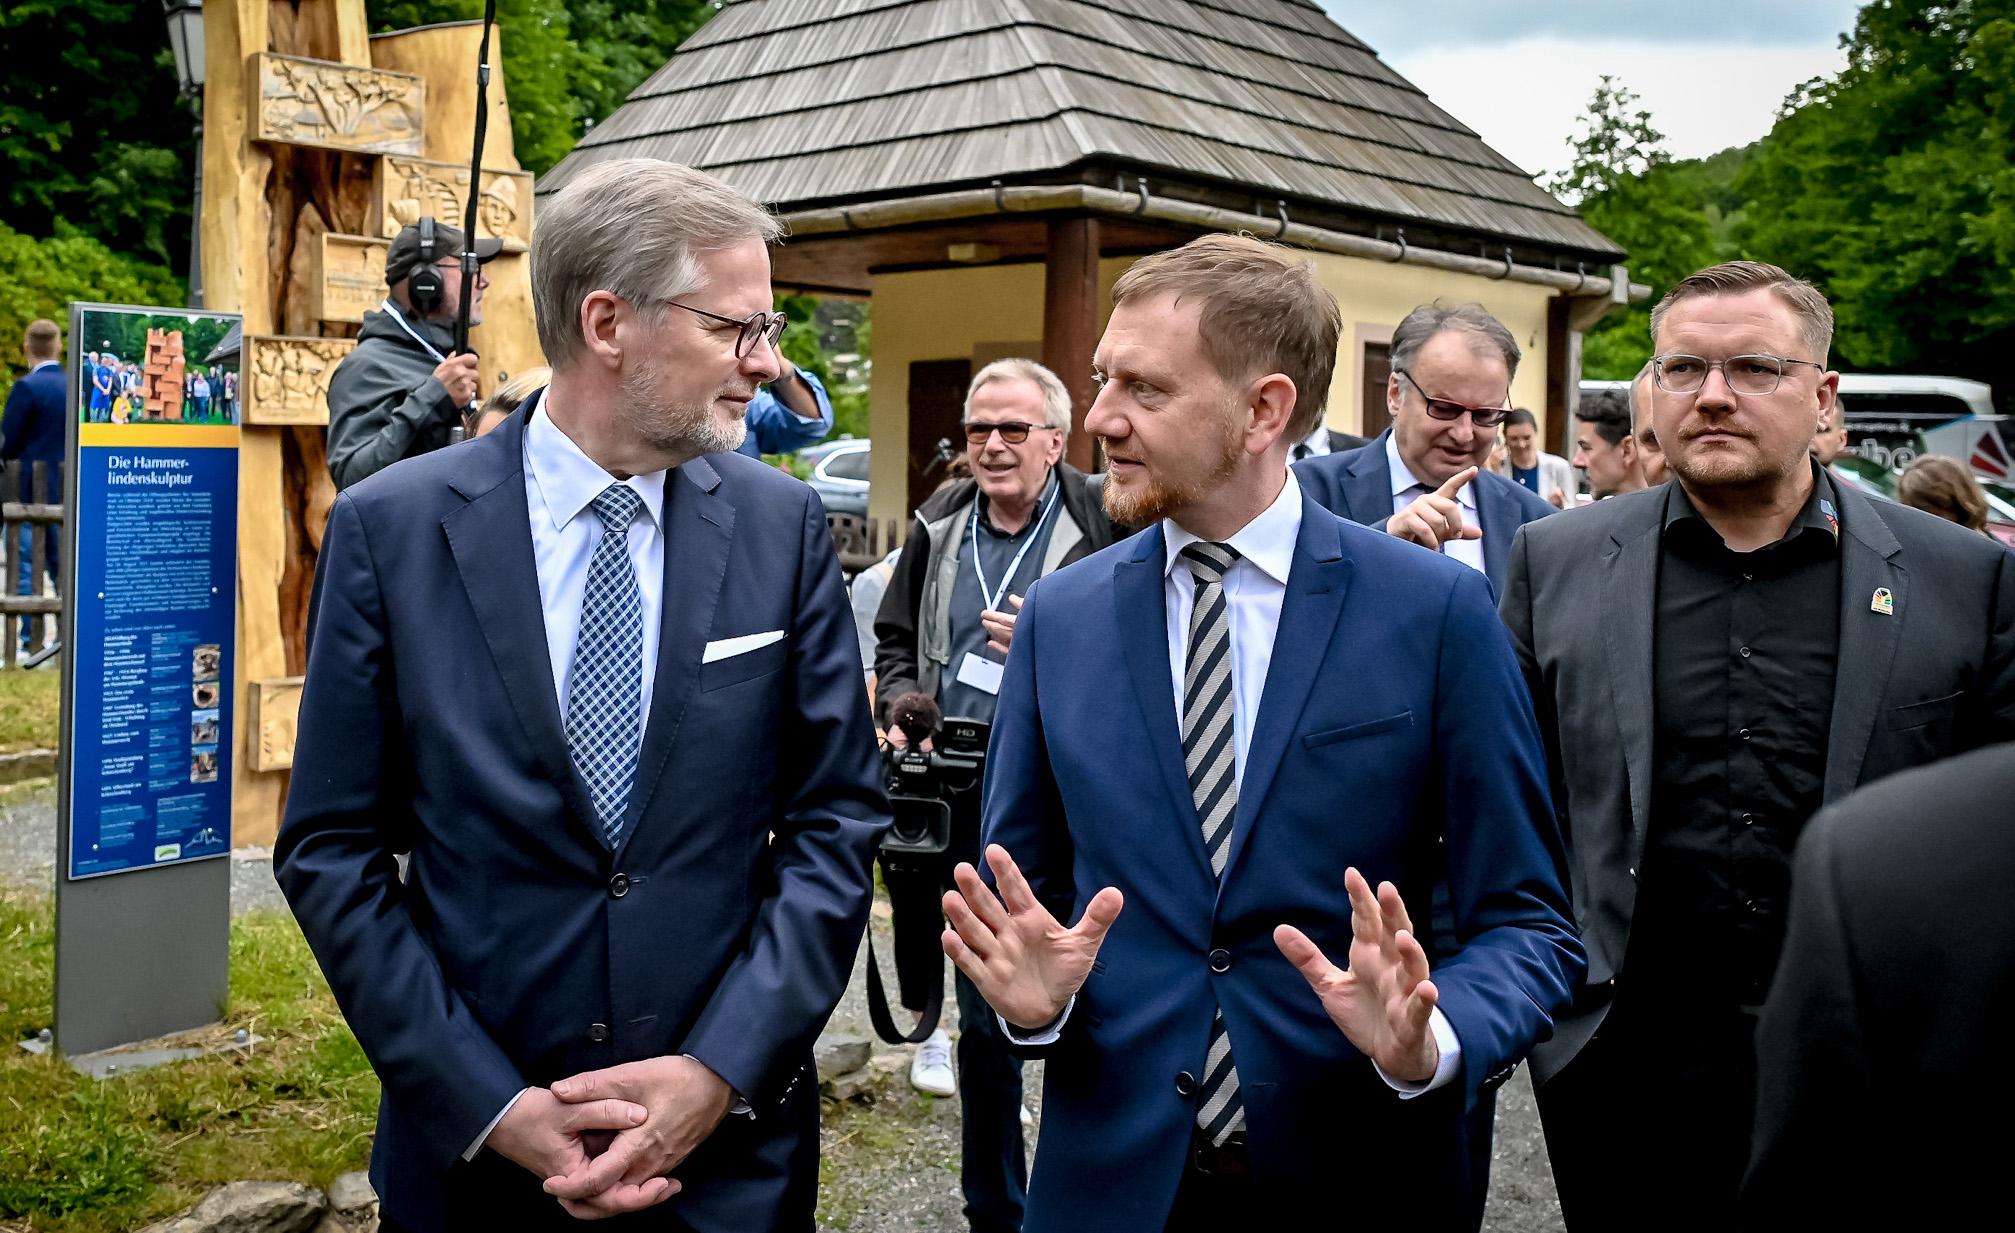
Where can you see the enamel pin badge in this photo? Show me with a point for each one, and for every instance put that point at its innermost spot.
(1884, 602)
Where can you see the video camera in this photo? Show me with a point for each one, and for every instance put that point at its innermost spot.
(921, 783)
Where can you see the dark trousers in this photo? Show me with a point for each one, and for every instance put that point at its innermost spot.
(1648, 1127)
(993, 1169)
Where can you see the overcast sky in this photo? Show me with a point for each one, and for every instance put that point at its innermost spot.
(1711, 72)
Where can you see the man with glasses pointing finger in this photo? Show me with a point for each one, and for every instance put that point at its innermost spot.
(1426, 478)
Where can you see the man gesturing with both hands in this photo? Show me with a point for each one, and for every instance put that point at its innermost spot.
(1324, 710)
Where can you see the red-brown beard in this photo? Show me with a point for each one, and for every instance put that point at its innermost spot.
(1157, 499)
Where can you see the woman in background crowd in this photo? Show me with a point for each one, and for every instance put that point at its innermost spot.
(1943, 486)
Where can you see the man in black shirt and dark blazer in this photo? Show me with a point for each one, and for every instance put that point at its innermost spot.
(1711, 661)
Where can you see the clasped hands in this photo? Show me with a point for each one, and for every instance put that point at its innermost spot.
(604, 1141)
(1028, 966)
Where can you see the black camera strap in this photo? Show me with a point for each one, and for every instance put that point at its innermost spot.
(878, 1005)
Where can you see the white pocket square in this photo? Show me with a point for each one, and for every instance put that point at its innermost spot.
(728, 648)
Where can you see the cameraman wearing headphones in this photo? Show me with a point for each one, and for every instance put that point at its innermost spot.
(942, 633)
(400, 393)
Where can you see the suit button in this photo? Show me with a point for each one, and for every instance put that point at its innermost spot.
(619, 886)
(1220, 960)
(598, 1032)
(1185, 1084)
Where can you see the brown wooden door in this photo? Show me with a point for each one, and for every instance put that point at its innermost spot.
(937, 406)
(1375, 371)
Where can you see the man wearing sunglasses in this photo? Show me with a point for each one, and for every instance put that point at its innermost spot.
(944, 628)
(1426, 478)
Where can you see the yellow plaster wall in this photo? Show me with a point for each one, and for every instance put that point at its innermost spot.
(947, 314)
(1376, 295)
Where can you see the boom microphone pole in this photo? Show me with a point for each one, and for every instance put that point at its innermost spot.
(469, 262)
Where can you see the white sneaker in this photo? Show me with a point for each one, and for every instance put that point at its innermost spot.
(931, 1069)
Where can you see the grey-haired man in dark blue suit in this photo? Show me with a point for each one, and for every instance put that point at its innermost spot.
(594, 672)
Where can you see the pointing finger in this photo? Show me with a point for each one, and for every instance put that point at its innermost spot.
(1455, 482)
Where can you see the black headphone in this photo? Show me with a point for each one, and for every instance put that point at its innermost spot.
(424, 286)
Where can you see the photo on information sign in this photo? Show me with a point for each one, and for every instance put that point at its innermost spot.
(143, 367)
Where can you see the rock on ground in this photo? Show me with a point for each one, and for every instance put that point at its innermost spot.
(251, 1207)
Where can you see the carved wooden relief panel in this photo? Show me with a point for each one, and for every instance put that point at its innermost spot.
(286, 380)
(408, 188)
(337, 106)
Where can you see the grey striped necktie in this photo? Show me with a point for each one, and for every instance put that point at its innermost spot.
(1209, 753)
(605, 688)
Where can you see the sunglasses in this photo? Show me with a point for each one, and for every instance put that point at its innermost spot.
(1443, 409)
(1013, 432)
(768, 326)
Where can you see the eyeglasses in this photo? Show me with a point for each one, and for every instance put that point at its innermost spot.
(1014, 432)
(1745, 374)
(1443, 409)
(768, 326)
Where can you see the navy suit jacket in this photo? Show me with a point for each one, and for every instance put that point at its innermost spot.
(32, 429)
(1394, 734)
(1358, 485)
(521, 948)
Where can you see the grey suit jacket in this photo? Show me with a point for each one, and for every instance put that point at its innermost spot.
(1933, 677)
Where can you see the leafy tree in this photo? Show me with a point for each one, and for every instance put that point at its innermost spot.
(43, 276)
(1629, 188)
(93, 138)
(567, 66)
(1893, 187)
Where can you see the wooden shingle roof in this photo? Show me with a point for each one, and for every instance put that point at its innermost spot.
(804, 103)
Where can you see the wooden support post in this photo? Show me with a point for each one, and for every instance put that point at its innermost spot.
(1070, 321)
(1563, 375)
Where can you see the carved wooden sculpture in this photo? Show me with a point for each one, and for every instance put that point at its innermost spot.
(300, 107)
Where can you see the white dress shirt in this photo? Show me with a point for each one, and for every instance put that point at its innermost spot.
(1314, 445)
(1254, 588)
(1404, 493)
(561, 484)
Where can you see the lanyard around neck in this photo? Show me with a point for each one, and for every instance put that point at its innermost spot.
(399, 319)
(992, 599)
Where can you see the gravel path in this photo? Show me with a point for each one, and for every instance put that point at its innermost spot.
(891, 1158)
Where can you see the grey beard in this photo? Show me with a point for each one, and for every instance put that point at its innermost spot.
(688, 429)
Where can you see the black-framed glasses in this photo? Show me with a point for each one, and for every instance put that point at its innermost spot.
(1745, 374)
(1014, 432)
(768, 326)
(1444, 409)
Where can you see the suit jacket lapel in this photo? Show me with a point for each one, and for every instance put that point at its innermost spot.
(1308, 613)
(491, 539)
(1629, 610)
(1142, 613)
(699, 526)
(1497, 516)
(1367, 485)
(1868, 561)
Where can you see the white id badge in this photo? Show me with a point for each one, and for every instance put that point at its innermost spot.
(982, 674)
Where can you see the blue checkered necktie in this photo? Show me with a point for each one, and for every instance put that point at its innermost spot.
(1209, 751)
(605, 688)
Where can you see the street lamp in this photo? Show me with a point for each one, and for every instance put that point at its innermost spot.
(185, 36)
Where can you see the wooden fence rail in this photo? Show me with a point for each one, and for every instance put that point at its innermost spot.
(38, 512)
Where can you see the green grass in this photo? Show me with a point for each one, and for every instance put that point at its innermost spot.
(29, 702)
(79, 1155)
